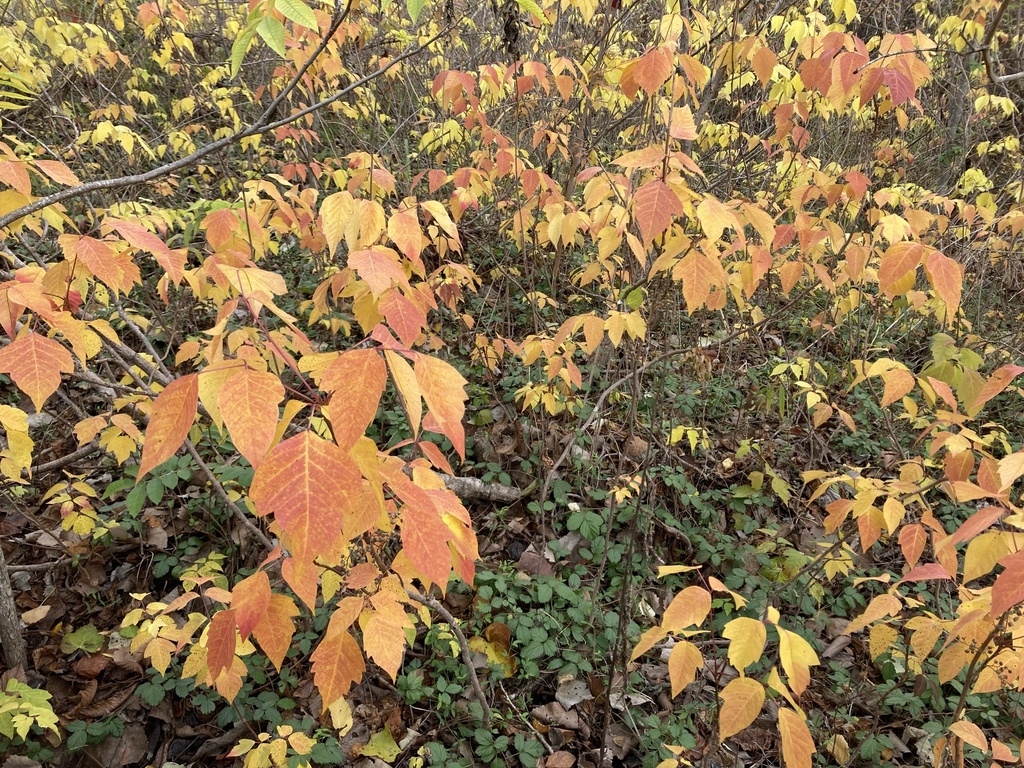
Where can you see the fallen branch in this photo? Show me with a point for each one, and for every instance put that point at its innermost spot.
(475, 489)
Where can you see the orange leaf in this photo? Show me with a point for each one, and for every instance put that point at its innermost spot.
(220, 642)
(947, 278)
(59, 172)
(274, 631)
(683, 663)
(797, 744)
(404, 231)
(742, 700)
(249, 600)
(1008, 589)
(378, 267)
(425, 542)
(898, 261)
(996, 383)
(362, 376)
(173, 262)
(116, 270)
(444, 391)
(406, 318)
(763, 64)
(16, 176)
(699, 273)
(171, 418)
(912, 540)
(35, 363)
(649, 72)
(337, 660)
(311, 486)
(689, 608)
(654, 204)
(248, 402)
(898, 382)
(384, 630)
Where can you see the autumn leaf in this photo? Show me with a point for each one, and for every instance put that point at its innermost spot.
(797, 657)
(379, 268)
(715, 217)
(898, 263)
(250, 600)
(747, 638)
(742, 699)
(337, 661)
(654, 205)
(408, 387)
(444, 391)
(946, 276)
(248, 402)
(688, 608)
(683, 662)
(310, 486)
(170, 420)
(797, 744)
(362, 376)
(35, 364)
(275, 629)
(1008, 589)
(220, 642)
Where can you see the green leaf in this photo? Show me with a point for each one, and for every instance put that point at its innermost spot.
(86, 639)
(272, 32)
(530, 6)
(297, 11)
(415, 7)
(240, 46)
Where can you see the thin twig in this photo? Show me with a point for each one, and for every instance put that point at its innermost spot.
(240, 516)
(467, 655)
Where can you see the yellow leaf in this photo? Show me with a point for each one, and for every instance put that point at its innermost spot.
(742, 701)
(797, 657)
(683, 663)
(747, 637)
(797, 744)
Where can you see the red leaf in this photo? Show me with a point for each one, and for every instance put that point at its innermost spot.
(170, 419)
(926, 572)
(250, 600)
(220, 642)
(654, 204)
(35, 363)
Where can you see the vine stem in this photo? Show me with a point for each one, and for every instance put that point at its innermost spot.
(467, 655)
